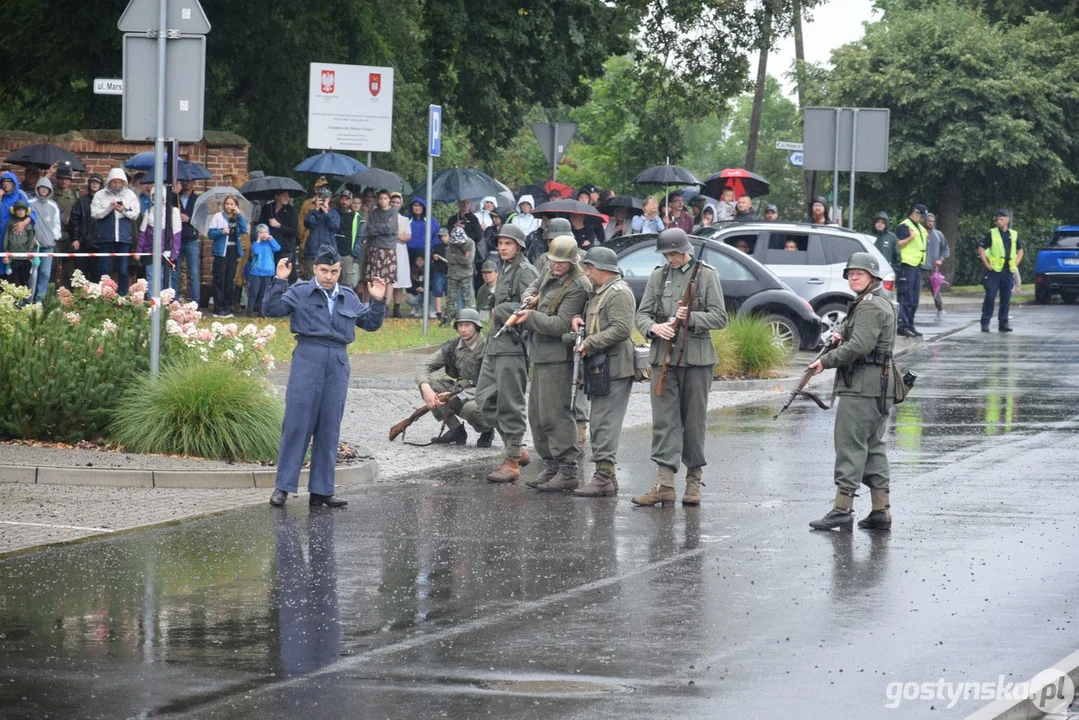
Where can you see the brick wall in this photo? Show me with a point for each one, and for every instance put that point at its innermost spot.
(101, 150)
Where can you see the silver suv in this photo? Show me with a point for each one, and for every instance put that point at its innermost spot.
(809, 258)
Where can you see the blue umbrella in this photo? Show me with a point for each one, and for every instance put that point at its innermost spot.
(185, 171)
(330, 163)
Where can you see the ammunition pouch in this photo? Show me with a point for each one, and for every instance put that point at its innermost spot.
(597, 375)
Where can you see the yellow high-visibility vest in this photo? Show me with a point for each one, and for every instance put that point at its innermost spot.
(996, 250)
(913, 253)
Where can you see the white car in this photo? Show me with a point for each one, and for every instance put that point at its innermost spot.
(809, 258)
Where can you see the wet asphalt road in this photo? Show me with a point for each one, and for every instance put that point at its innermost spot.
(453, 598)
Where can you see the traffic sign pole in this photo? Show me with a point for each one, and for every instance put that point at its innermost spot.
(159, 193)
(434, 149)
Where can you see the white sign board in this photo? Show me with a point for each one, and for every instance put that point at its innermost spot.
(787, 145)
(108, 86)
(350, 107)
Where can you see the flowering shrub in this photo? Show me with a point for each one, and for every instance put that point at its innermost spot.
(244, 347)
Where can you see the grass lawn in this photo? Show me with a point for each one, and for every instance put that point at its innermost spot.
(395, 334)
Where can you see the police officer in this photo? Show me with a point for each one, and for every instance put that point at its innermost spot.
(608, 326)
(678, 414)
(1000, 252)
(324, 318)
(500, 391)
(913, 240)
(561, 293)
(459, 360)
(864, 352)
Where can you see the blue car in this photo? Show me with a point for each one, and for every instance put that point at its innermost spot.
(1056, 269)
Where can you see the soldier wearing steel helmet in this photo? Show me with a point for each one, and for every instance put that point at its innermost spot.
(455, 367)
(555, 226)
(678, 415)
(561, 291)
(608, 326)
(864, 351)
(500, 391)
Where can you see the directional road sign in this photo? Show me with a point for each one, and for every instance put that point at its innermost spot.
(795, 158)
(785, 145)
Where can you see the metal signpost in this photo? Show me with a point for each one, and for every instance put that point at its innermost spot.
(434, 149)
(553, 139)
(848, 138)
(164, 69)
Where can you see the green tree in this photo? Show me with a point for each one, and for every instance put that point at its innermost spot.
(982, 115)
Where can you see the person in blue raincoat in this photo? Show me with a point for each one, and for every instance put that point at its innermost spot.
(323, 316)
(9, 195)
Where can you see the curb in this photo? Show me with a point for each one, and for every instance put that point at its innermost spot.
(1024, 708)
(362, 472)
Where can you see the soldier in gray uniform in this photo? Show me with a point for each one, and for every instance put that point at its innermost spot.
(865, 350)
(555, 226)
(485, 296)
(500, 391)
(459, 360)
(323, 316)
(608, 326)
(678, 415)
(561, 292)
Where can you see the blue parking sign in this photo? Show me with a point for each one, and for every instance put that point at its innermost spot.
(434, 131)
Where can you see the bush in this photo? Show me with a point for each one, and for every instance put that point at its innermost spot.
(63, 366)
(747, 348)
(204, 409)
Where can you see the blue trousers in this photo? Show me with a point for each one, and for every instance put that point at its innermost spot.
(106, 264)
(257, 285)
(44, 272)
(910, 292)
(314, 406)
(189, 253)
(997, 282)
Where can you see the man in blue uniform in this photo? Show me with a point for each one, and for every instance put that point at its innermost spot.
(324, 318)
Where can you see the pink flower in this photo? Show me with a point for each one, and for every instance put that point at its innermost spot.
(230, 330)
(109, 282)
(108, 292)
(204, 335)
(72, 318)
(100, 350)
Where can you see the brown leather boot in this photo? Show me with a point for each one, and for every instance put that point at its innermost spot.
(566, 479)
(601, 485)
(509, 471)
(692, 495)
(549, 471)
(662, 492)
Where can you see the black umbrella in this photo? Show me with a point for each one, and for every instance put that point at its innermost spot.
(44, 155)
(460, 183)
(566, 207)
(376, 178)
(265, 188)
(666, 175)
(632, 205)
(743, 182)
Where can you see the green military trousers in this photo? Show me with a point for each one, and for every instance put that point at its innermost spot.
(470, 413)
(861, 454)
(550, 416)
(679, 416)
(605, 422)
(500, 395)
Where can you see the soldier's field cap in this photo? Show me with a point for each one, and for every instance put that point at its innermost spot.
(489, 266)
(513, 233)
(327, 255)
(673, 240)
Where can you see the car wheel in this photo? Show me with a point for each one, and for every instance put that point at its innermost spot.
(1042, 295)
(832, 316)
(1069, 297)
(784, 333)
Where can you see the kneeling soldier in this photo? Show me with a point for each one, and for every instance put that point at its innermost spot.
(678, 413)
(561, 291)
(607, 353)
(866, 393)
(459, 360)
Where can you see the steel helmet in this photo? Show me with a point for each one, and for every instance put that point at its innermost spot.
(563, 249)
(673, 240)
(602, 258)
(557, 226)
(513, 233)
(864, 261)
(468, 315)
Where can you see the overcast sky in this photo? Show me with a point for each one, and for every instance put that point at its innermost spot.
(834, 23)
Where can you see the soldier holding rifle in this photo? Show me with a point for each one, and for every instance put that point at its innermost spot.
(681, 306)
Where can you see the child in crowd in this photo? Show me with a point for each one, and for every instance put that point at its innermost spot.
(47, 230)
(171, 243)
(263, 267)
(439, 269)
(23, 241)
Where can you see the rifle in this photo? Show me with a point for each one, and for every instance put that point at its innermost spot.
(515, 318)
(578, 343)
(799, 389)
(419, 412)
(679, 325)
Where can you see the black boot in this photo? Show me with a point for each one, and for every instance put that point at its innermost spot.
(454, 436)
(876, 520)
(327, 500)
(486, 438)
(842, 519)
(1005, 328)
(278, 498)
